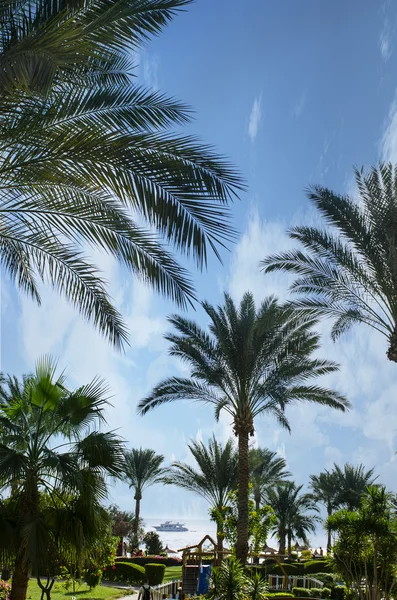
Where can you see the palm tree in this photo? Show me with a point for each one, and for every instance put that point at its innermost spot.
(290, 508)
(267, 469)
(88, 159)
(36, 465)
(353, 483)
(214, 479)
(349, 274)
(142, 469)
(326, 489)
(251, 362)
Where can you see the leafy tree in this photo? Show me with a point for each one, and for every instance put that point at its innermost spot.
(153, 543)
(89, 158)
(251, 362)
(325, 489)
(259, 523)
(34, 413)
(229, 582)
(124, 526)
(365, 549)
(290, 508)
(353, 483)
(266, 468)
(349, 273)
(214, 478)
(142, 468)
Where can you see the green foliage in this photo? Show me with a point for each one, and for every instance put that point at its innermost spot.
(256, 587)
(286, 568)
(92, 576)
(279, 595)
(155, 573)
(327, 578)
(124, 572)
(153, 543)
(325, 593)
(346, 270)
(300, 592)
(311, 567)
(259, 522)
(228, 581)
(5, 589)
(315, 593)
(306, 554)
(143, 560)
(339, 592)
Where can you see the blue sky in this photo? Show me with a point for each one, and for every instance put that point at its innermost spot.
(294, 93)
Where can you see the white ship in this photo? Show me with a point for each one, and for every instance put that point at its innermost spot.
(169, 526)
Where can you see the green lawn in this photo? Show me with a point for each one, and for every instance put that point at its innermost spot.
(172, 573)
(82, 592)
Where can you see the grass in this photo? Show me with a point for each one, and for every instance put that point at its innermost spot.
(172, 573)
(82, 592)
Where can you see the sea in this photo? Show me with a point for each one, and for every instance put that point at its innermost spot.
(176, 540)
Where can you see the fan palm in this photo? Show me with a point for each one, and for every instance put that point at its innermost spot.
(251, 362)
(214, 479)
(326, 489)
(34, 462)
(88, 159)
(142, 468)
(290, 508)
(267, 469)
(350, 274)
(353, 483)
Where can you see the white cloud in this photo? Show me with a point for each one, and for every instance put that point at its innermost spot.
(385, 40)
(148, 68)
(300, 105)
(388, 142)
(255, 118)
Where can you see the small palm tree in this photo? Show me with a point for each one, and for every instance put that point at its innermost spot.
(353, 483)
(89, 159)
(34, 463)
(142, 468)
(290, 508)
(250, 363)
(214, 479)
(267, 469)
(326, 489)
(350, 274)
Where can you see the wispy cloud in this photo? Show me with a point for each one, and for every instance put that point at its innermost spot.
(300, 105)
(385, 38)
(388, 142)
(255, 118)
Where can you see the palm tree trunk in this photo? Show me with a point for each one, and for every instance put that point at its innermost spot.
(219, 543)
(392, 351)
(329, 541)
(138, 497)
(243, 488)
(289, 537)
(281, 534)
(20, 577)
(257, 499)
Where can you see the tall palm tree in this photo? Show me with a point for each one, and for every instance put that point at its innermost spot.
(266, 469)
(89, 160)
(70, 473)
(349, 272)
(213, 479)
(290, 509)
(142, 468)
(251, 362)
(326, 489)
(353, 483)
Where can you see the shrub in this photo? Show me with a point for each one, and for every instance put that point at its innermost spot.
(301, 592)
(155, 573)
(327, 578)
(279, 595)
(153, 543)
(315, 593)
(124, 572)
(326, 593)
(306, 554)
(311, 567)
(286, 568)
(5, 589)
(339, 592)
(92, 576)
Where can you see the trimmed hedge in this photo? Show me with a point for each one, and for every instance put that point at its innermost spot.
(326, 593)
(279, 595)
(155, 573)
(125, 572)
(311, 567)
(301, 592)
(294, 569)
(315, 593)
(339, 592)
(144, 560)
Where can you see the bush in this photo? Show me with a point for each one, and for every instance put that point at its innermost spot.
(124, 572)
(279, 595)
(160, 560)
(155, 573)
(153, 543)
(312, 567)
(315, 593)
(306, 554)
(301, 592)
(339, 592)
(5, 589)
(286, 568)
(327, 578)
(92, 577)
(326, 593)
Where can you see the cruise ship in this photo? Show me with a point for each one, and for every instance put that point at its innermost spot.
(169, 526)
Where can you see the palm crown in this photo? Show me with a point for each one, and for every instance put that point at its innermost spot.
(89, 160)
(50, 446)
(267, 469)
(250, 362)
(350, 274)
